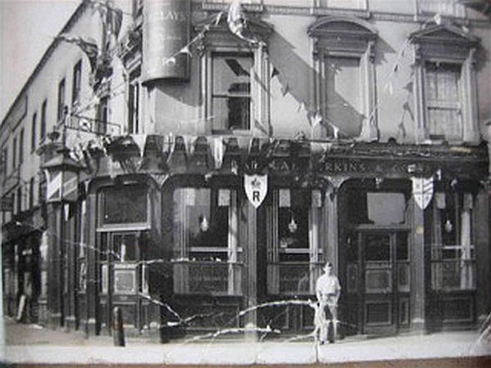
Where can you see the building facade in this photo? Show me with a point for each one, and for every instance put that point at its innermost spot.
(196, 163)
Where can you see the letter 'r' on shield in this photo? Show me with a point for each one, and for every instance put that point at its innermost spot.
(256, 188)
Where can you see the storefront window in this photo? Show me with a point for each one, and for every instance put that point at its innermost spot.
(452, 254)
(206, 247)
(294, 220)
(123, 205)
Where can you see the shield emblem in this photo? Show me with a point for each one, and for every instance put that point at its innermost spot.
(422, 191)
(256, 188)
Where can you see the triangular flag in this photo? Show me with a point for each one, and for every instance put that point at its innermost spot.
(284, 89)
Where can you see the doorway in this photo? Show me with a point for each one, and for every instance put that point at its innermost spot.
(378, 281)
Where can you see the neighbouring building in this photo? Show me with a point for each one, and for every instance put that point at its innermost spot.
(186, 160)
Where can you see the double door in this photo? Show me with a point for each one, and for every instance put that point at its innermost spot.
(378, 281)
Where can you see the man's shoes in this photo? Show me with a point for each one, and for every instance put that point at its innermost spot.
(331, 341)
(322, 342)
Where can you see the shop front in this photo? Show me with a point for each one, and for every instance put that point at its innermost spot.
(185, 244)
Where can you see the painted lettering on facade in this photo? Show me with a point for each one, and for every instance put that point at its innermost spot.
(166, 31)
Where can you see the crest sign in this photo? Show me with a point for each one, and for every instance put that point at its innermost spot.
(422, 191)
(256, 188)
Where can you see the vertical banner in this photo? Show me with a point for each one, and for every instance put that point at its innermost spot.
(256, 188)
(422, 191)
(166, 30)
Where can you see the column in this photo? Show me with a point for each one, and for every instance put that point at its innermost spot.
(55, 287)
(418, 269)
(93, 277)
(483, 274)
(250, 319)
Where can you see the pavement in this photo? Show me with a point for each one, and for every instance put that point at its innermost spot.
(34, 344)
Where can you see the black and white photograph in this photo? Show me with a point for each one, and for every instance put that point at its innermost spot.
(236, 183)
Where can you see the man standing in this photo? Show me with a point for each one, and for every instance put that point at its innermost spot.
(328, 291)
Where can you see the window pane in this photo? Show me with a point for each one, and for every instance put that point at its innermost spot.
(386, 208)
(443, 100)
(231, 77)
(124, 247)
(377, 248)
(343, 92)
(201, 223)
(344, 4)
(124, 205)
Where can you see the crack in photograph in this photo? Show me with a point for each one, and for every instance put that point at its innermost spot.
(245, 182)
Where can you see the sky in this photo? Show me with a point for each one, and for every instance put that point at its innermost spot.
(27, 27)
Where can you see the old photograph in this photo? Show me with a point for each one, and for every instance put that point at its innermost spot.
(245, 182)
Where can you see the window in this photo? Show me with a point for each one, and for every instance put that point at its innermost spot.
(5, 160)
(345, 95)
(452, 252)
(206, 248)
(379, 208)
(134, 107)
(102, 115)
(44, 108)
(444, 7)
(21, 146)
(343, 4)
(231, 96)
(61, 100)
(131, 198)
(445, 81)
(120, 253)
(234, 100)
(31, 193)
(19, 199)
(33, 132)
(77, 82)
(14, 154)
(294, 247)
(443, 96)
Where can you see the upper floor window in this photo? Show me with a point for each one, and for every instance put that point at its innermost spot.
(231, 96)
(77, 82)
(443, 99)
(234, 77)
(345, 95)
(14, 153)
(4, 161)
(42, 130)
(31, 193)
(102, 115)
(446, 95)
(342, 4)
(60, 111)
(21, 146)
(19, 199)
(134, 107)
(444, 7)
(33, 132)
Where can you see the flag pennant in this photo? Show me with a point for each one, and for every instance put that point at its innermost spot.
(237, 22)
(111, 17)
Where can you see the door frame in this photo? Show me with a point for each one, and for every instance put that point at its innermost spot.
(396, 295)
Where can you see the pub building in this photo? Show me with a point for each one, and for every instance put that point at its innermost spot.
(184, 222)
